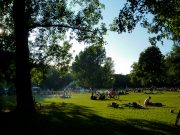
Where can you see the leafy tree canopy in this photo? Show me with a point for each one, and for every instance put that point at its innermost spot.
(53, 23)
(150, 67)
(135, 75)
(165, 18)
(92, 68)
(54, 80)
(121, 81)
(173, 66)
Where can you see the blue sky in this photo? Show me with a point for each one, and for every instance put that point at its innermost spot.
(125, 48)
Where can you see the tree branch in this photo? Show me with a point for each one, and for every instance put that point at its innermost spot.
(57, 25)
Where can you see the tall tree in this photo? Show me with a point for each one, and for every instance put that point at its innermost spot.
(165, 16)
(135, 75)
(151, 65)
(121, 81)
(92, 69)
(23, 80)
(173, 66)
(107, 73)
(50, 21)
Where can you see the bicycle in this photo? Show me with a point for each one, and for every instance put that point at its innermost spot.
(113, 94)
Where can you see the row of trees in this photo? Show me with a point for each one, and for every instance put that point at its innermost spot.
(52, 79)
(155, 69)
(92, 69)
(51, 20)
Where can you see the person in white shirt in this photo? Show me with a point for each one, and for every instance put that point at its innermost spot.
(147, 102)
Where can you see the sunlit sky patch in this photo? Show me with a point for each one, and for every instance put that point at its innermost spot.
(124, 48)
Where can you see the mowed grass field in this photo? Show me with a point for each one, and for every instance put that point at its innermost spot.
(170, 101)
(81, 115)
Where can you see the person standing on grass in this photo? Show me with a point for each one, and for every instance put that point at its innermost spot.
(147, 102)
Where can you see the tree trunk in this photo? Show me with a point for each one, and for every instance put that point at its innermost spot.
(24, 97)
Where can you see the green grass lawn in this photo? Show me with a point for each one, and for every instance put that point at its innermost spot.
(100, 107)
(81, 115)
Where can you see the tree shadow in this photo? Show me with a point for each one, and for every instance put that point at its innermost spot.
(65, 118)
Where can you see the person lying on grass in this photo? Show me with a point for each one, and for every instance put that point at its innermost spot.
(134, 105)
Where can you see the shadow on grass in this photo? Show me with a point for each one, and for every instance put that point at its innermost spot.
(56, 119)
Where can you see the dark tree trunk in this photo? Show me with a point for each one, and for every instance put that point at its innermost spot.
(24, 98)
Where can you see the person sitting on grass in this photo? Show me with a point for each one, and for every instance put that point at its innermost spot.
(147, 102)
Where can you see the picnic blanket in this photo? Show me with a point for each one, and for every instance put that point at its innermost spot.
(156, 104)
(134, 105)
